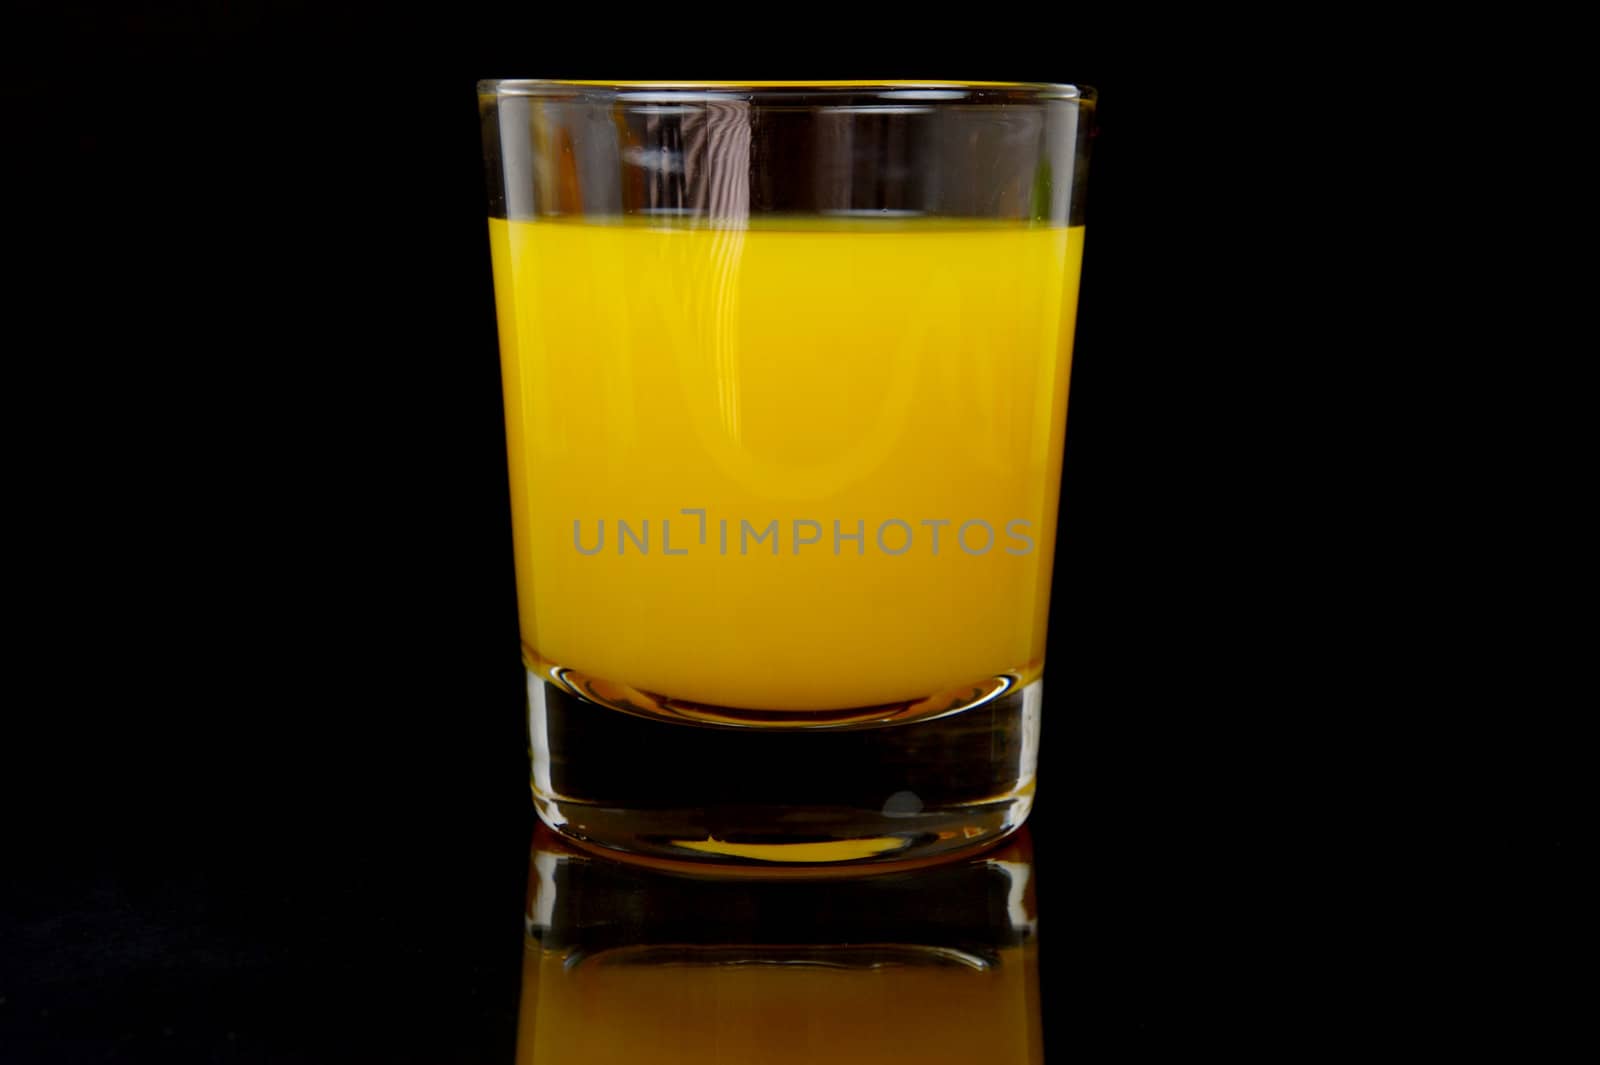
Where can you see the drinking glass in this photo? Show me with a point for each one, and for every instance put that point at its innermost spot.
(785, 369)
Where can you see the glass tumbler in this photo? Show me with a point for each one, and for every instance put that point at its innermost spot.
(785, 370)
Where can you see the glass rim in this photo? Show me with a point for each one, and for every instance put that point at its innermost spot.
(891, 90)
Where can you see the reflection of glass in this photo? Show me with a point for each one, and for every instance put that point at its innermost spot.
(630, 965)
(785, 372)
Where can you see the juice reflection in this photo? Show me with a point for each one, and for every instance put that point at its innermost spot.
(631, 965)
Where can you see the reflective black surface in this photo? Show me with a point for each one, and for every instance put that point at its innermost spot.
(630, 964)
(430, 941)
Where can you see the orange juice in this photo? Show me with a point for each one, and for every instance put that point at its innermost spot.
(806, 465)
(605, 1011)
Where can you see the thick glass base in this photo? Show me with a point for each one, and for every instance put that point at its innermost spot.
(822, 798)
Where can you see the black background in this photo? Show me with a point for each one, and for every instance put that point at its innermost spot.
(279, 812)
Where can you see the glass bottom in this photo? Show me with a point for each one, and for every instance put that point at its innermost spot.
(822, 798)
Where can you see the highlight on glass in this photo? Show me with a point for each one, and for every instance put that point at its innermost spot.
(785, 370)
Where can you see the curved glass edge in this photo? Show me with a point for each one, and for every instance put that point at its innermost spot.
(893, 91)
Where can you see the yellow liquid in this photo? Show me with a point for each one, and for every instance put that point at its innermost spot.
(797, 371)
(605, 1012)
